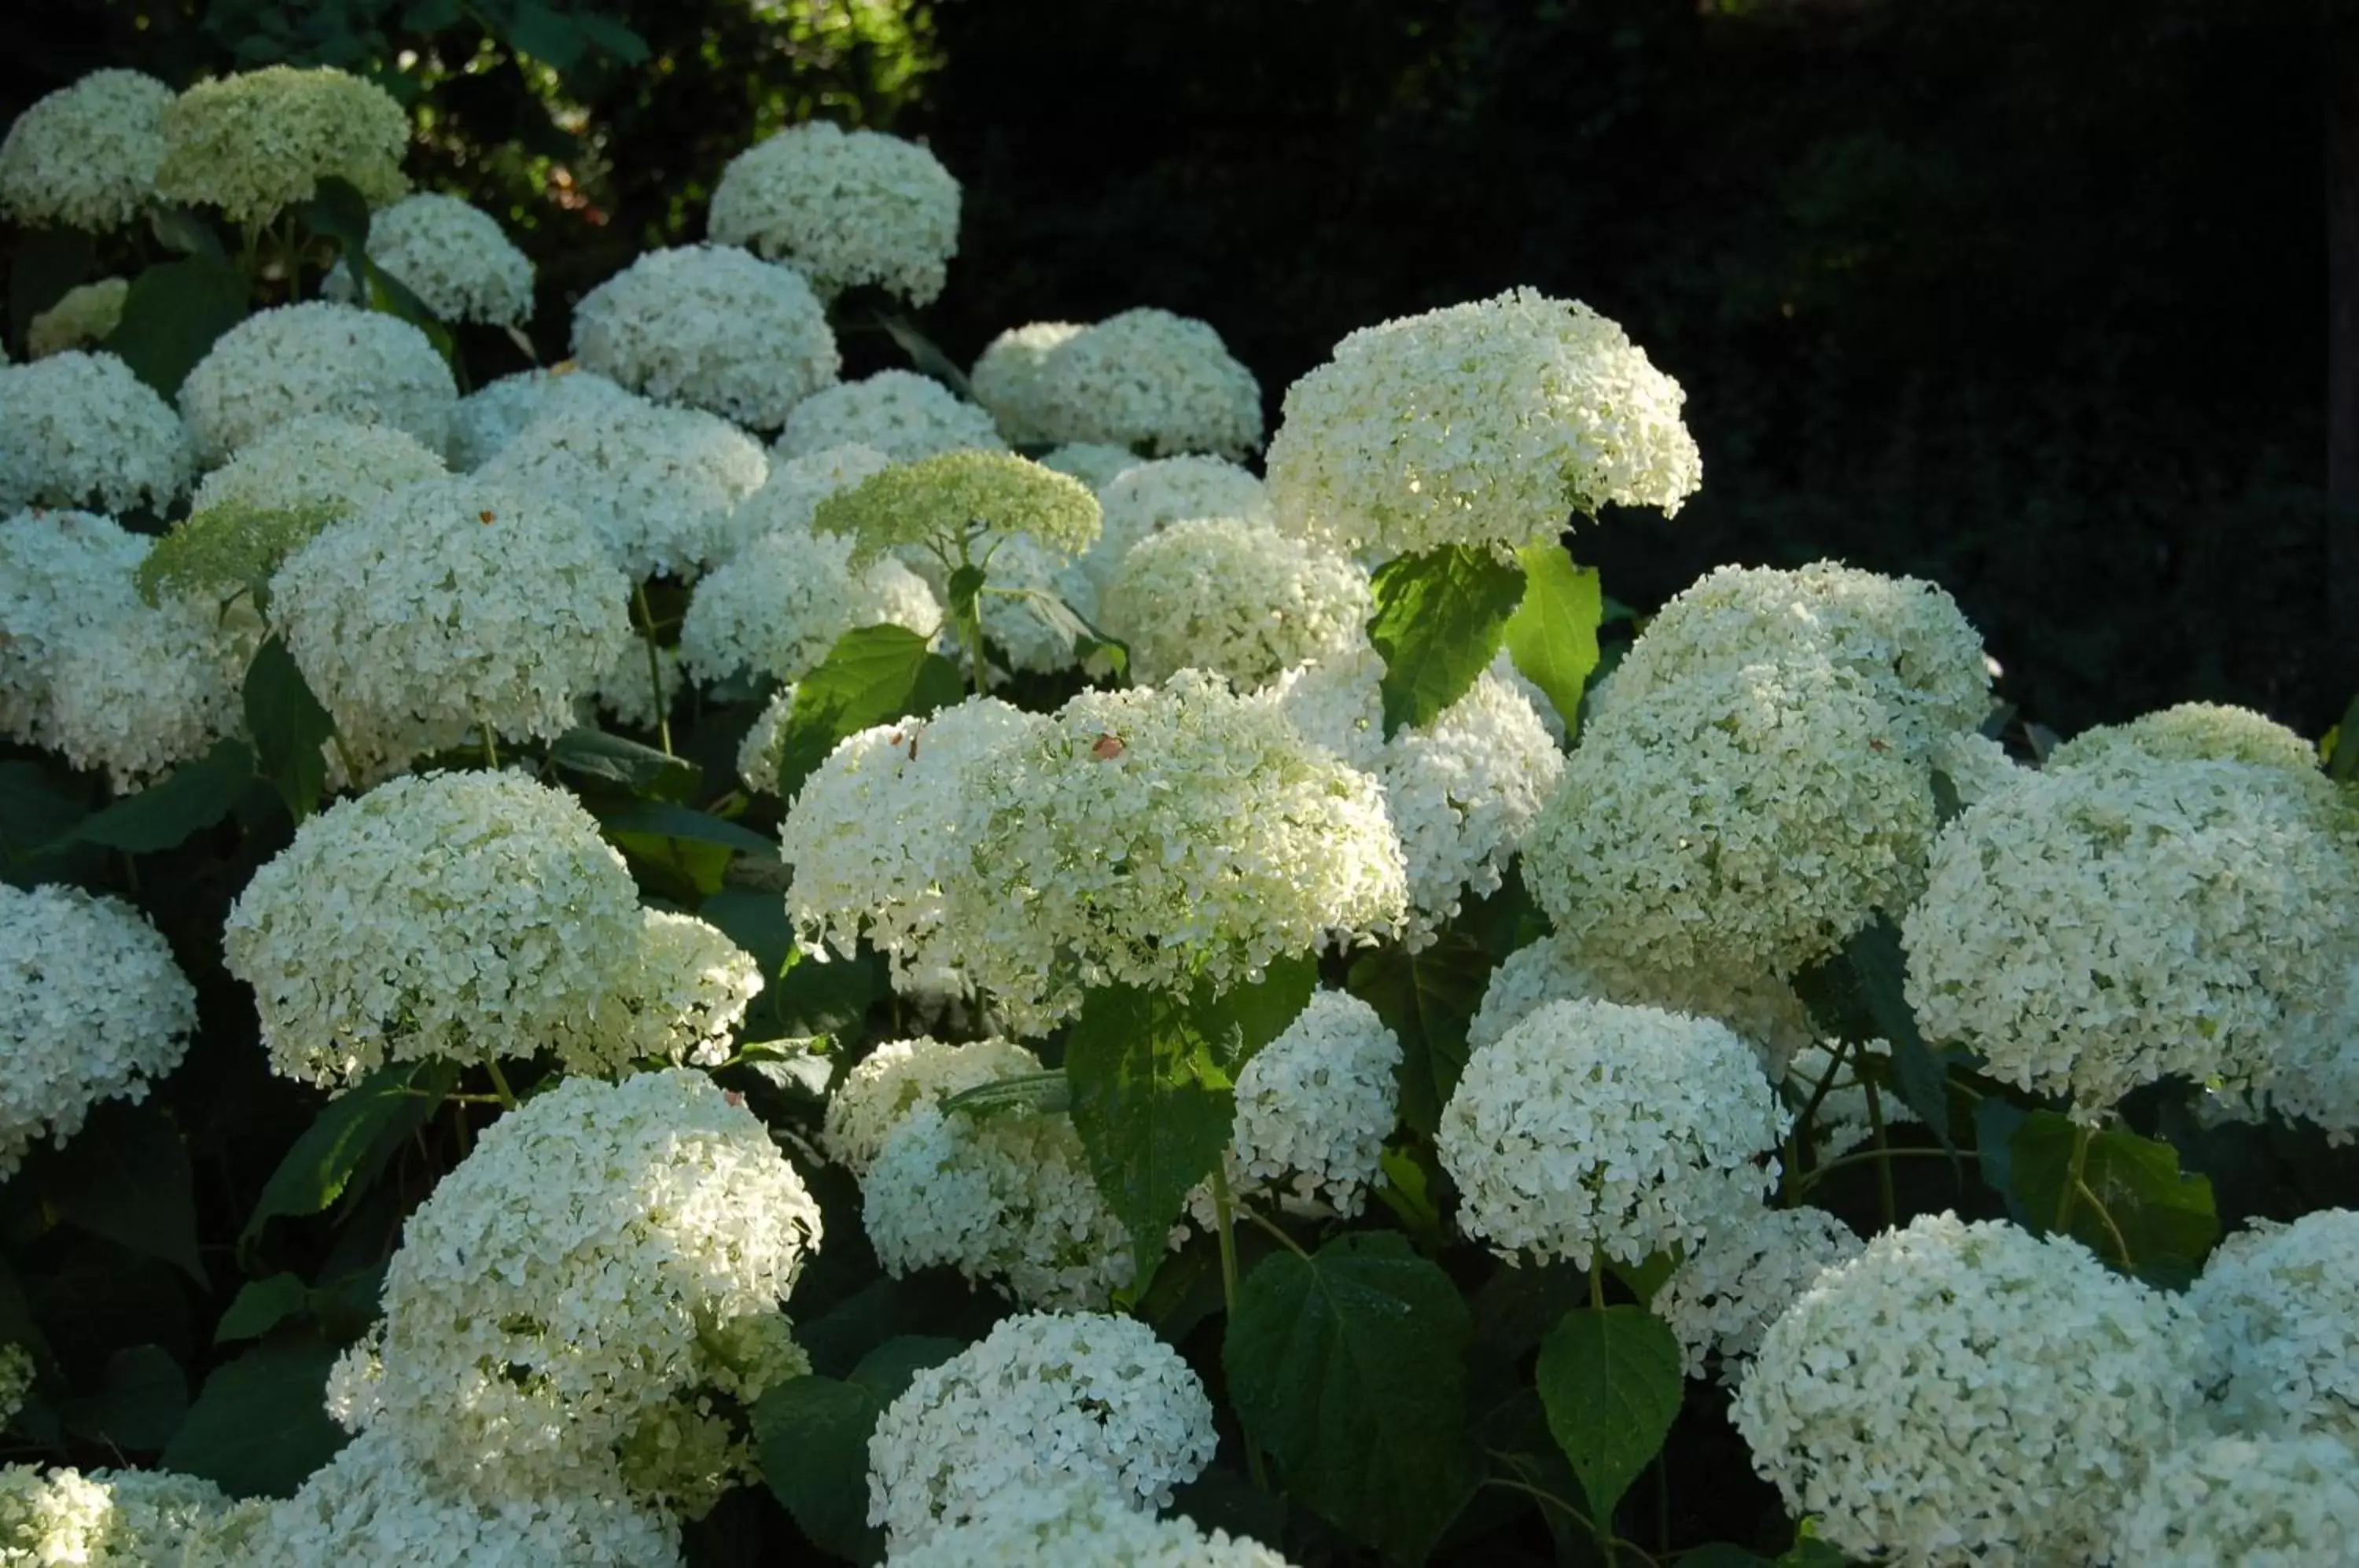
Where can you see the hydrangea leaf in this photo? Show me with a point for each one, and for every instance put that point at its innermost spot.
(1552, 635)
(810, 1435)
(640, 771)
(1861, 994)
(2147, 1216)
(139, 1403)
(1610, 1377)
(1440, 616)
(1427, 998)
(127, 1177)
(173, 316)
(290, 727)
(871, 676)
(261, 1305)
(355, 1134)
(192, 796)
(260, 1426)
(1348, 1366)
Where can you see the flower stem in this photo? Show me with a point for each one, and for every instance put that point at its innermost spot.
(500, 1084)
(1224, 1218)
(1883, 1167)
(2074, 1184)
(655, 666)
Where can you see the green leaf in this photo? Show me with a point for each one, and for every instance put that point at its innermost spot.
(1610, 1377)
(339, 210)
(1552, 635)
(261, 1306)
(289, 726)
(755, 920)
(179, 229)
(1152, 1077)
(811, 1436)
(542, 34)
(1049, 1092)
(1427, 998)
(47, 264)
(261, 1425)
(140, 1400)
(355, 1134)
(1439, 619)
(610, 37)
(2163, 1221)
(1862, 994)
(668, 819)
(925, 356)
(125, 1177)
(640, 771)
(2342, 761)
(871, 676)
(192, 796)
(173, 314)
(1349, 1368)
(430, 16)
(37, 823)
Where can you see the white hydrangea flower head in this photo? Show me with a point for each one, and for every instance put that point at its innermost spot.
(1151, 381)
(1338, 704)
(1141, 499)
(930, 505)
(149, 686)
(494, 414)
(901, 1074)
(81, 430)
(624, 692)
(1314, 1107)
(1905, 639)
(779, 604)
(788, 499)
(657, 486)
(1235, 598)
(85, 157)
(375, 1502)
(2192, 732)
(317, 358)
(455, 258)
(1044, 1397)
(758, 753)
(113, 1519)
(2098, 927)
(82, 316)
(1723, 1296)
(466, 916)
(318, 461)
(257, 142)
(1484, 423)
(846, 207)
(454, 605)
(1976, 765)
(897, 412)
(1592, 1128)
(1155, 836)
(59, 571)
(1094, 464)
(1063, 1521)
(2258, 1502)
(1844, 1121)
(2281, 1344)
(1007, 379)
(679, 997)
(1966, 1394)
(92, 1006)
(1040, 601)
(1752, 819)
(557, 1287)
(2315, 1073)
(712, 327)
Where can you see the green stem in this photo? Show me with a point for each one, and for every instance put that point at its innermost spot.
(1883, 1167)
(500, 1084)
(1226, 1221)
(1792, 1184)
(1597, 1281)
(655, 666)
(1290, 1244)
(1902, 1151)
(351, 763)
(490, 751)
(2074, 1185)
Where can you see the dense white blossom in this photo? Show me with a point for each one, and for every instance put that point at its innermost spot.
(1966, 1394)
(2274, 1303)
(318, 357)
(712, 327)
(320, 460)
(92, 1006)
(1976, 765)
(845, 207)
(453, 256)
(491, 416)
(1313, 1109)
(1077, 1521)
(1724, 1294)
(80, 429)
(1141, 499)
(1007, 379)
(60, 572)
(1762, 1009)
(2192, 732)
(677, 997)
(1044, 1397)
(85, 157)
(779, 604)
(934, 503)
(1148, 380)
(1591, 1129)
(2256, 1502)
(758, 753)
(119, 1518)
(1094, 464)
(1485, 423)
(901, 1074)
(1237, 598)
(257, 142)
(149, 687)
(897, 412)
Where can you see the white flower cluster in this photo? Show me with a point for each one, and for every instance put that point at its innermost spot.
(1762, 1009)
(932, 505)
(1235, 598)
(256, 142)
(62, 573)
(1094, 464)
(78, 428)
(469, 916)
(758, 753)
(901, 1074)
(1007, 379)
(2192, 732)
(1484, 423)
(1148, 380)
(656, 484)
(452, 606)
(85, 157)
(1042, 1398)
(846, 207)
(677, 997)
(897, 412)
(1063, 1521)
(2097, 928)
(2266, 1502)
(119, 1518)
(492, 415)
(148, 686)
(790, 498)
(92, 1006)
(712, 327)
(318, 461)
(1723, 1296)
(2274, 1303)
(317, 358)
(1593, 1129)
(453, 256)
(1966, 1394)
(84, 314)
(1313, 1109)
(776, 607)
(1141, 499)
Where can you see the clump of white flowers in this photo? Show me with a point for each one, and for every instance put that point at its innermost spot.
(1042, 1398)
(2258, 1502)
(80, 429)
(455, 607)
(260, 141)
(1726, 1293)
(60, 572)
(1964, 1394)
(2097, 928)
(1764, 1011)
(1141, 499)
(901, 1074)
(677, 997)
(938, 503)
(92, 1006)
(1596, 1130)
(118, 1519)
(453, 256)
(1007, 379)
(83, 315)
(1313, 1109)
(1077, 1521)
(2192, 732)
(1148, 380)
(85, 157)
(1481, 424)
(467, 916)
(492, 415)
(845, 207)
(1235, 598)
(318, 461)
(2283, 1350)
(1094, 464)
(317, 358)
(776, 607)
(148, 686)
(712, 327)
(897, 412)
(758, 753)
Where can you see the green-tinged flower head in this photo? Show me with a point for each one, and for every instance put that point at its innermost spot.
(85, 315)
(938, 503)
(217, 554)
(261, 141)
